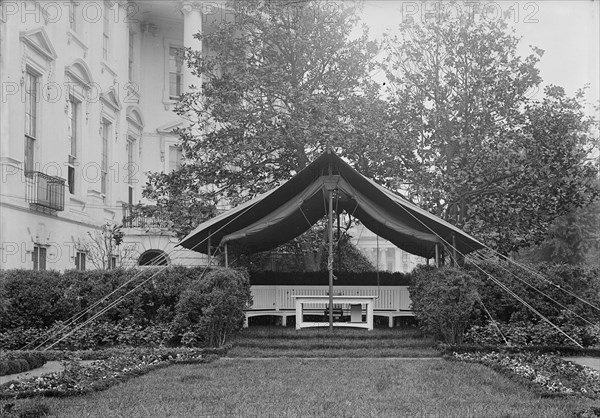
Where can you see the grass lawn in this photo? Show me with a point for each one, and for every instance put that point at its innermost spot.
(343, 342)
(318, 388)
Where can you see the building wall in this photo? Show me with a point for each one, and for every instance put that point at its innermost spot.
(37, 37)
(391, 258)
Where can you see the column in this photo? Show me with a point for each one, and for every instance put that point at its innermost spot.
(192, 24)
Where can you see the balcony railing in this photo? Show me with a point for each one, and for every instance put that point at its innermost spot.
(45, 191)
(145, 216)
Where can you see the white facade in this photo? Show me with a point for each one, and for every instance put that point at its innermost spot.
(391, 258)
(87, 95)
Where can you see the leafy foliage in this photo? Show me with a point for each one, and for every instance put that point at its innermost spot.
(38, 299)
(444, 301)
(322, 278)
(573, 238)
(479, 150)
(308, 252)
(271, 100)
(32, 298)
(11, 364)
(533, 334)
(546, 374)
(212, 308)
(103, 373)
(554, 290)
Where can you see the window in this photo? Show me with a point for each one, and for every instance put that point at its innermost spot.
(131, 39)
(106, 32)
(113, 262)
(175, 72)
(31, 98)
(106, 127)
(73, 21)
(80, 260)
(153, 258)
(175, 158)
(130, 167)
(73, 116)
(39, 257)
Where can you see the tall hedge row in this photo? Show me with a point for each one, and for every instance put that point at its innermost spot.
(44, 300)
(447, 301)
(557, 291)
(36, 299)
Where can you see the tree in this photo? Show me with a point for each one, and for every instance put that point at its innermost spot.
(307, 253)
(280, 85)
(479, 151)
(572, 239)
(104, 247)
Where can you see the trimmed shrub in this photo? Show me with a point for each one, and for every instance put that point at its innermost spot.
(38, 299)
(213, 307)
(444, 301)
(32, 298)
(12, 364)
(322, 278)
(94, 336)
(559, 281)
(533, 334)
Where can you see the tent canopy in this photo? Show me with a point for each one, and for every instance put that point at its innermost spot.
(287, 211)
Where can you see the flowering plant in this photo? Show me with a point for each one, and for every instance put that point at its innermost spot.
(547, 373)
(78, 379)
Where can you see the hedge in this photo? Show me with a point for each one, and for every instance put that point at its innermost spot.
(38, 299)
(322, 278)
(520, 325)
(555, 280)
(35, 305)
(12, 364)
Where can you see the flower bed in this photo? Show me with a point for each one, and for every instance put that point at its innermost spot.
(548, 375)
(103, 373)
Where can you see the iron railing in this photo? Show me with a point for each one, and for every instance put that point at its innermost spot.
(145, 216)
(45, 191)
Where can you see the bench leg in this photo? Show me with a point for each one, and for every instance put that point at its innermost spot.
(245, 320)
(284, 321)
(391, 321)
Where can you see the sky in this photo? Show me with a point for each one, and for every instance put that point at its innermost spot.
(567, 30)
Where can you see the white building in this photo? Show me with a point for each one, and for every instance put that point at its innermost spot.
(87, 95)
(390, 257)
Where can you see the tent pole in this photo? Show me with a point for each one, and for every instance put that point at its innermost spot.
(437, 255)
(339, 242)
(330, 256)
(226, 257)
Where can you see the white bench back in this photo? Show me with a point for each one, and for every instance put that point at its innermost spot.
(277, 297)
